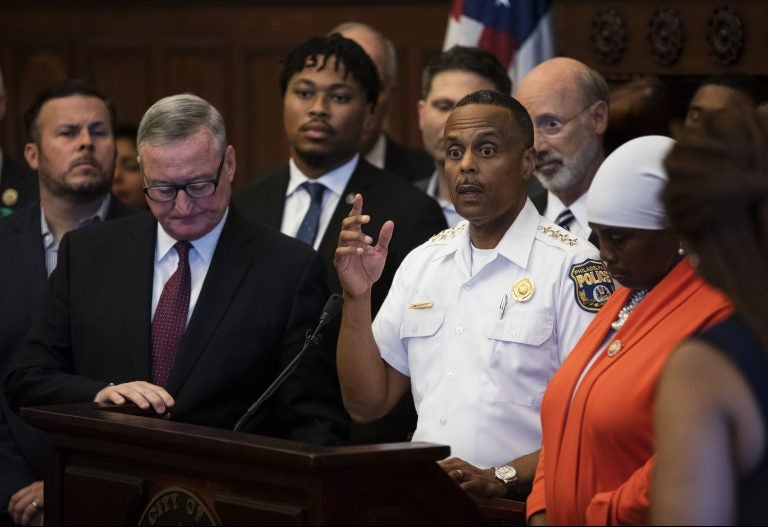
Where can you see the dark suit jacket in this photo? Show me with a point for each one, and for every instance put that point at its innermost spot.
(385, 197)
(540, 201)
(263, 291)
(23, 281)
(408, 163)
(22, 179)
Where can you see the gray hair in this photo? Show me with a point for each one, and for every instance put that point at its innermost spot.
(178, 117)
(383, 41)
(593, 86)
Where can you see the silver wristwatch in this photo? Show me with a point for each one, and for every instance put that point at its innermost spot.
(507, 475)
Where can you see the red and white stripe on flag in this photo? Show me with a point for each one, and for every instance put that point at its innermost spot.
(518, 32)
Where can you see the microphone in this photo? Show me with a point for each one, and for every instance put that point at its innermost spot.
(330, 310)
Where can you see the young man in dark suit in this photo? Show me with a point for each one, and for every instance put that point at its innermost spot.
(191, 310)
(70, 130)
(330, 87)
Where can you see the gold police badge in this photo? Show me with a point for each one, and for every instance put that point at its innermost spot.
(523, 290)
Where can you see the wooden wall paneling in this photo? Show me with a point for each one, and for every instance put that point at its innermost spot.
(573, 23)
(228, 51)
(33, 68)
(266, 142)
(121, 73)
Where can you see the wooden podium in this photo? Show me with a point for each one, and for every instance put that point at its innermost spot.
(108, 465)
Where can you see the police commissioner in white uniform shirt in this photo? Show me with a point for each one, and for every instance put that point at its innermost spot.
(480, 348)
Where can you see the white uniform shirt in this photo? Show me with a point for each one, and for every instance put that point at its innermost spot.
(479, 365)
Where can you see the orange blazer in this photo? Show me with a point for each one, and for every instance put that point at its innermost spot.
(597, 447)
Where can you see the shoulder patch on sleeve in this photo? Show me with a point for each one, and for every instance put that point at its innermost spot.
(592, 284)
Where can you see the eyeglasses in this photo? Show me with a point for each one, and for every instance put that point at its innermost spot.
(552, 126)
(195, 190)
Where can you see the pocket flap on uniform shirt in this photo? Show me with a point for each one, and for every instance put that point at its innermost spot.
(529, 328)
(421, 323)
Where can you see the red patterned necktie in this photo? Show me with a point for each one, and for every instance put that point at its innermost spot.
(171, 317)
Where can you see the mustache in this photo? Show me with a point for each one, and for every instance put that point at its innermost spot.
(317, 124)
(85, 160)
(545, 156)
(466, 181)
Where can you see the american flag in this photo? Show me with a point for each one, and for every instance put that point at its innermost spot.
(518, 32)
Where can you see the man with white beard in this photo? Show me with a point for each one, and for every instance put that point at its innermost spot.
(568, 104)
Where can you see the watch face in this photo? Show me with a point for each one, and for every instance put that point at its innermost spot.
(506, 473)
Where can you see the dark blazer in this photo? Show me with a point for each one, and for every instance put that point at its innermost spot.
(20, 178)
(263, 291)
(540, 201)
(385, 197)
(23, 281)
(408, 163)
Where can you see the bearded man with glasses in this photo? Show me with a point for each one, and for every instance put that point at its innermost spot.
(191, 310)
(568, 103)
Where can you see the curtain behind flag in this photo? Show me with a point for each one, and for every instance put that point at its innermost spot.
(518, 32)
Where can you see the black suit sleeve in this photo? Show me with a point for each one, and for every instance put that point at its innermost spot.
(42, 370)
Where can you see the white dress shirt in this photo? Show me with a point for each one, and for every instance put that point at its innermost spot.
(579, 226)
(167, 260)
(297, 200)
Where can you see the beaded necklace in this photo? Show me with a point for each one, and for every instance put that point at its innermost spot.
(637, 296)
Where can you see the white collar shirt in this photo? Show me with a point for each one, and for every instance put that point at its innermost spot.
(167, 260)
(479, 355)
(51, 246)
(297, 200)
(579, 226)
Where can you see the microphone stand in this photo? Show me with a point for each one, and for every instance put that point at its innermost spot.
(312, 337)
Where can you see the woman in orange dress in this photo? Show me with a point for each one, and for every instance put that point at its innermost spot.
(597, 412)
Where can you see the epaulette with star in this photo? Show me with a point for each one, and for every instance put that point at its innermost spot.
(559, 234)
(447, 234)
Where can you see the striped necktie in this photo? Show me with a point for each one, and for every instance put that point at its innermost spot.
(564, 219)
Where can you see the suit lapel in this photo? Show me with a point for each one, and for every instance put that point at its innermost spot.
(135, 261)
(361, 180)
(230, 262)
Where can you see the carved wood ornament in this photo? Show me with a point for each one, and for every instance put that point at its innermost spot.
(665, 36)
(725, 36)
(608, 35)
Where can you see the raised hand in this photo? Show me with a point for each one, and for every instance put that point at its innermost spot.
(358, 263)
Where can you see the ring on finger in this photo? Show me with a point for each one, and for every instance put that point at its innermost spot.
(460, 474)
(35, 505)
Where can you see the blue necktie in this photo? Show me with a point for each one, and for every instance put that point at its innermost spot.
(308, 228)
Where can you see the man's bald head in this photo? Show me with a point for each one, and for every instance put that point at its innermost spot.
(568, 103)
